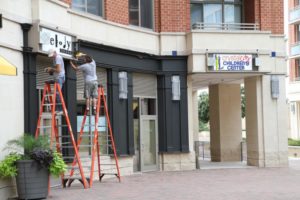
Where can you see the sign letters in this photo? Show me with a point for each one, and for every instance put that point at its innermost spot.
(232, 62)
(62, 43)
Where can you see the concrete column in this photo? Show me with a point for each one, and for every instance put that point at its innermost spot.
(195, 116)
(225, 122)
(266, 122)
(254, 121)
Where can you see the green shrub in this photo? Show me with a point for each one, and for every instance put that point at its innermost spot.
(58, 166)
(293, 142)
(8, 165)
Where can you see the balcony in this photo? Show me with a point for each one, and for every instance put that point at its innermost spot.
(295, 50)
(294, 15)
(293, 90)
(226, 26)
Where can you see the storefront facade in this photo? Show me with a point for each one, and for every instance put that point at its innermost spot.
(165, 64)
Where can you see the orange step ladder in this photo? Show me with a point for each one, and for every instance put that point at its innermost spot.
(96, 138)
(59, 141)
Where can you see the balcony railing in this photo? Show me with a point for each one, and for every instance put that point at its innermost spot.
(295, 14)
(225, 26)
(295, 49)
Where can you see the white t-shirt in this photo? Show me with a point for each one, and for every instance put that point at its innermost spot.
(59, 61)
(89, 71)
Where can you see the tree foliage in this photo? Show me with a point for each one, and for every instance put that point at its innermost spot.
(203, 106)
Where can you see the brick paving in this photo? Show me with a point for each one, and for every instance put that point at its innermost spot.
(214, 184)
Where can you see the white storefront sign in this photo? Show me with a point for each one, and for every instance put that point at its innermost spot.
(232, 62)
(62, 43)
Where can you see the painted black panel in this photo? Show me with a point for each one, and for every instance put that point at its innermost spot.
(69, 92)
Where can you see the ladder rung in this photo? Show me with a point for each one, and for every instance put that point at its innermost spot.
(92, 135)
(70, 167)
(62, 143)
(109, 174)
(50, 104)
(63, 125)
(107, 164)
(45, 127)
(63, 136)
(65, 147)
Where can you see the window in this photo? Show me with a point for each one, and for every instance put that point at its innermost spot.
(297, 30)
(94, 7)
(216, 11)
(297, 70)
(141, 13)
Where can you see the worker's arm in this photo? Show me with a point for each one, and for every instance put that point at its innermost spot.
(56, 69)
(74, 66)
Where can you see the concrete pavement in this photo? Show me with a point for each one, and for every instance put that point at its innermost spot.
(213, 184)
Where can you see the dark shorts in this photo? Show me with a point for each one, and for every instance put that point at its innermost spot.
(91, 89)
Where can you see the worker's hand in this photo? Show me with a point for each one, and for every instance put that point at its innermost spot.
(49, 70)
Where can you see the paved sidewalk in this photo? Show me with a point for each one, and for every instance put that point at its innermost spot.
(214, 184)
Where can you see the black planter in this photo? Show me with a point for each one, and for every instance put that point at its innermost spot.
(32, 180)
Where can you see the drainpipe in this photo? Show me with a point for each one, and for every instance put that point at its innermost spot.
(30, 91)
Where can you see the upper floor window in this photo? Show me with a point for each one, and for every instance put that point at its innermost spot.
(216, 11)
(94, 7)
(141, 13)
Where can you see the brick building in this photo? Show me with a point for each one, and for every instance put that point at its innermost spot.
(169, 49)
(293, 89)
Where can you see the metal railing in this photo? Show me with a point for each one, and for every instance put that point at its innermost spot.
(225, 26)
(202, 149)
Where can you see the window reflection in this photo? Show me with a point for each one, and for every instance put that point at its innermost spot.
(94, 7)
(216, 12)
(141, 13)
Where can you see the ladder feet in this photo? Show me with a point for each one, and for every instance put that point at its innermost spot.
(71, 180)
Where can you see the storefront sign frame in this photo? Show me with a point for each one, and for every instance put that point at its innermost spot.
(230, 62)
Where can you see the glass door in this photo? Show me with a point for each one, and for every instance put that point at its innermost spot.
(148, 134)
(148, 143)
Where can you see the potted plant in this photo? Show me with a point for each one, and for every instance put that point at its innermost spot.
(31, 161)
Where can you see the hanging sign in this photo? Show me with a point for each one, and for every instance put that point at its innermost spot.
(232, 62)
(50, 39)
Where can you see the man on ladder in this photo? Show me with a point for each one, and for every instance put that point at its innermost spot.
(90, 79)
(58, 72)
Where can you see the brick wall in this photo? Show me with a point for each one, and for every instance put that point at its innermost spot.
(270, 15)
(117, 11)
(174, 15)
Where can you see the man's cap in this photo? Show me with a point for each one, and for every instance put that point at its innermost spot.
(51, 52)
(79, 54)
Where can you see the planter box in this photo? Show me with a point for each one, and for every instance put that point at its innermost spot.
(32, 180)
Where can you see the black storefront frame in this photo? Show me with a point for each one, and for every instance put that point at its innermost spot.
(171, 138)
